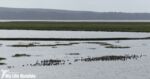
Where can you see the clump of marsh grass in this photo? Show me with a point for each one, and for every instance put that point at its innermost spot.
(42, 45)
(1, 60)
(21, 55)
(108, 45)
(73, 54)
(2, 63)
(116, 46)
(110, 58)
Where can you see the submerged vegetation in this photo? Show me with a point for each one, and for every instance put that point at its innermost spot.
(1, 45)
(79, 26)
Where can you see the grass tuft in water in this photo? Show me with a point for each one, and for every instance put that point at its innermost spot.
(21, 55)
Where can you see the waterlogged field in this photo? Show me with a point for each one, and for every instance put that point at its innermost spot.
(124, 59)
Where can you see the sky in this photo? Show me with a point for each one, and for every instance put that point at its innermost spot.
(82, 5)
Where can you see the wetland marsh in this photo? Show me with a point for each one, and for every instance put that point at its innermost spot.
(80, 59)
(76, 59)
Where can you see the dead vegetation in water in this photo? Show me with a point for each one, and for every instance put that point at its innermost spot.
(110, 58)
(92, 48)
(117, 46)
(36, 44)
(50, 62)
(108, 45)
(99, 43)
(57, 62)
(1, 63)
(2, 58)
(73, 54)
(42, 45)
(47, 62)
(21, 55)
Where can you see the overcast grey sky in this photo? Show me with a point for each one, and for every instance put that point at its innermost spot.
(86, 5)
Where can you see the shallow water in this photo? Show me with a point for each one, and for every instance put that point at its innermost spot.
(68, 34)
(129, 69)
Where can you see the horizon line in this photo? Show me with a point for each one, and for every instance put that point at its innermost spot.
(74, 10)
